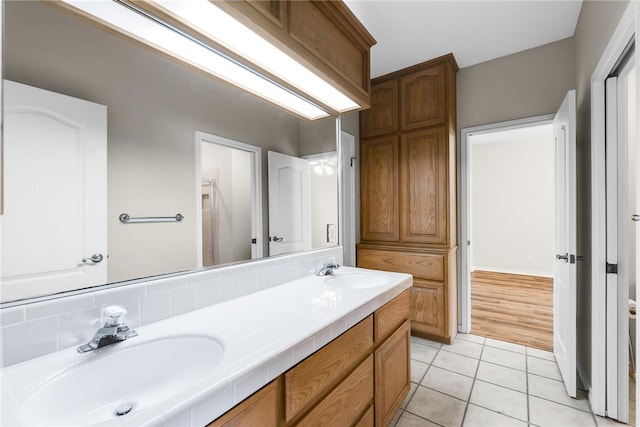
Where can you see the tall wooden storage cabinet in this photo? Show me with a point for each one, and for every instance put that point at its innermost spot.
(408, 188)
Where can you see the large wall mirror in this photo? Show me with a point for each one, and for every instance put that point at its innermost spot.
(174, 141)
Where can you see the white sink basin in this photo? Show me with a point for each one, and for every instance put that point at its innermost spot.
(140, 375)
(356, 280)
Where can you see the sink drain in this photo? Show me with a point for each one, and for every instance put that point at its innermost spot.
(124, 409)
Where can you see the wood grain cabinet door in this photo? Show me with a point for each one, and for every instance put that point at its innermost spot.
(379, 189)
(382, 117)
(427, 308)
(392, 367)
(423, 169)
(423, 98)
(258, 409)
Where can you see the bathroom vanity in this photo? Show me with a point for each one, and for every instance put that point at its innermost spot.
(330, 350)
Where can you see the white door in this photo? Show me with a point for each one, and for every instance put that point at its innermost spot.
(289, 204)
(55, 207)
(564, 275)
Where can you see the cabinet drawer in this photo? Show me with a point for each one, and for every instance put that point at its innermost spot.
(346, 403)
(258, 409)
(310, 379)
(367, 418)
(391, 315)
(420, 265)
(427, 308)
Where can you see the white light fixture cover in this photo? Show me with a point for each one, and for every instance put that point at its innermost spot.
(208, 19)
(191, 52)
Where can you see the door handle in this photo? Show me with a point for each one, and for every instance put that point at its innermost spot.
(277, 239)
(635, 217)
(95, 258)
(564, 257)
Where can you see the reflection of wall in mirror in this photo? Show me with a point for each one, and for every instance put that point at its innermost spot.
(324, 203)
(155, 105)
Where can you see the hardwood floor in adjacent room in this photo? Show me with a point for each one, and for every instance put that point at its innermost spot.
(513, 307)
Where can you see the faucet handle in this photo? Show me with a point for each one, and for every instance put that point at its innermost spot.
(331, 262)
(113, 315)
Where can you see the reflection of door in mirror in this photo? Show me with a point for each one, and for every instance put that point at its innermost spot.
(229, 212)
(324, 203)
(289, 204)
(55, 149)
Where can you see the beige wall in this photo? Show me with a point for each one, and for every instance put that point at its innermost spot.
(525, 84)
(598, 20)
(512, 205)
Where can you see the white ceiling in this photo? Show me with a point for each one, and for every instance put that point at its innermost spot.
(410, 32)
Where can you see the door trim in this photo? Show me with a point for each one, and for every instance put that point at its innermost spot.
(627, 30)
(347, 195)
(464, 201)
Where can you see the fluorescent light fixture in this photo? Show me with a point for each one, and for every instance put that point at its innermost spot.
(208, 19)
(188, 50)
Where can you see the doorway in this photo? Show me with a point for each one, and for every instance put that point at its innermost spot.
(229, 200)
(507, 188)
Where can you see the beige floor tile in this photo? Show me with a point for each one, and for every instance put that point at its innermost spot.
(502, 376)
(477, 416)
(504, 358)
(465, 348)
(425, 341)
(499, 399)
(544, 368)
(448, 382)
(457, 363)
(412, 389)
(409, 420)
(423, 353)
(555, 391)
(540, 354)
(516, 348)
(418, 369)
(544, 413)
(437, 407)
(608, 422)
(470, 337)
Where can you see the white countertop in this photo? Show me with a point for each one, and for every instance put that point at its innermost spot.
(263, 335)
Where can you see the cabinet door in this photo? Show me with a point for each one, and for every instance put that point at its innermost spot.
(382, 117)
(260, 409)
(427, 308)
(424, 185)
(392, 367)
(423, 98)
(379, 189)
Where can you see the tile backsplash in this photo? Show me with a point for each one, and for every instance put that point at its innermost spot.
(38, 328)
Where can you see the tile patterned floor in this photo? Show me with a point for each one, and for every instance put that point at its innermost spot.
(479, 381)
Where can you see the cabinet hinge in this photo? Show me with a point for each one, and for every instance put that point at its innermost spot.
(612, 268)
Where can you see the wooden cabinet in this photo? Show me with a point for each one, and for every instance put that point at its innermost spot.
(393, 374)
(260, 409)
(359, 379)
(408, 188)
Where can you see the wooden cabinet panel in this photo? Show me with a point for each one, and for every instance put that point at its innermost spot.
(424, 186)
(391, 315)
(392, 367)
(421, 265)
(427, 308)
(310, 379)
(367, 419)
(345, 405)
(260, 409)
(423, 98)
(382, 117)
(379, 189)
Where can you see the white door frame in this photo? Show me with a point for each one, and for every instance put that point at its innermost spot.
(347, 194)
(627, 30)
(256, 190)
(464, 220)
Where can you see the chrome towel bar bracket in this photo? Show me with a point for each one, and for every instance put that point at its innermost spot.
(125, 218)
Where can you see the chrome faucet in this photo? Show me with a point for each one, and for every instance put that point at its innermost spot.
(113, 331)
(328, 268)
